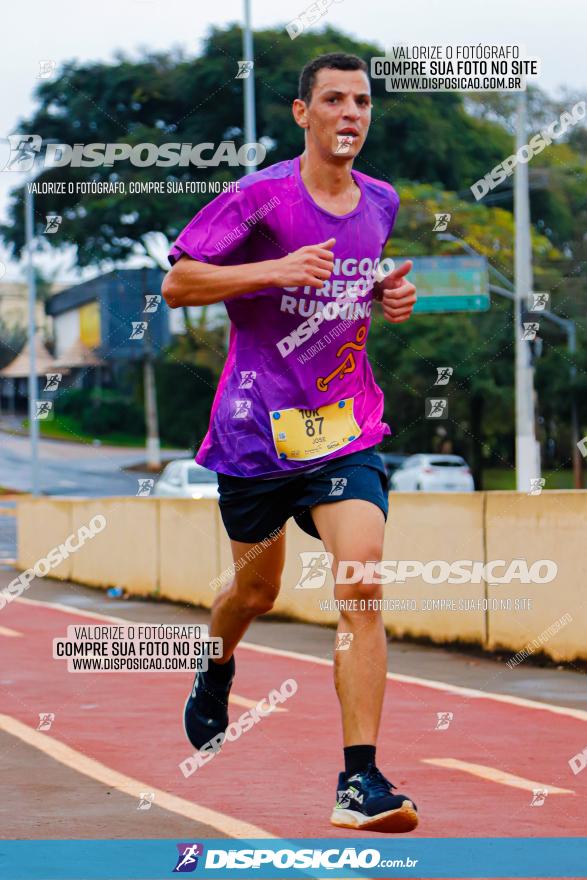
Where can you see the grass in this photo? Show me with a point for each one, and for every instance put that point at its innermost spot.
(69, 428)
(505, 478)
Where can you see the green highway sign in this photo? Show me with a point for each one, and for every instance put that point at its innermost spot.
(449, 284)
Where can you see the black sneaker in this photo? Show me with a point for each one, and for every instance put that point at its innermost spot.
(365, 802)
(206, 710)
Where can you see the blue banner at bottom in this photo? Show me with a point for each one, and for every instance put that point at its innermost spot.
(338, 858)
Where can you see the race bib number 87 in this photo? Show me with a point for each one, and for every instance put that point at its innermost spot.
(304, 434)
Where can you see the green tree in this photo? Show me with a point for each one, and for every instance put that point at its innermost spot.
(167, 97)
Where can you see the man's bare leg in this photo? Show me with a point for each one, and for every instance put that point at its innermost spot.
(251, 592)
(365, 800)
(360, 672)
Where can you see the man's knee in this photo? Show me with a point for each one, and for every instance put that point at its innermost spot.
(362, 595)
(256, 597)
(364, 576)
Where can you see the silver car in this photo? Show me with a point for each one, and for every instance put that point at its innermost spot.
(184, 478)
(433, 473)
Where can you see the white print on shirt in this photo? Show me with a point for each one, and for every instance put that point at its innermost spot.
(350, 267)
(309, 328)
(345, 291)
(344, 304)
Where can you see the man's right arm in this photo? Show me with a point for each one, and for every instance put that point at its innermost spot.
(195, 283)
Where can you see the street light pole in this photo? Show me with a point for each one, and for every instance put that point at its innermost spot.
(527, 449)
(575, 435)
(249, 83)
(29, 225)
(566, 324)
(32, 303)
(150, 395)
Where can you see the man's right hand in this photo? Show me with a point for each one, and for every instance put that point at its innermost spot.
(308, 266)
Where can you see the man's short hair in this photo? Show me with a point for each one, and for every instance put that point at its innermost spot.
(333, 61)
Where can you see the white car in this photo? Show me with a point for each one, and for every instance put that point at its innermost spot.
(184, 478)
(433, 473)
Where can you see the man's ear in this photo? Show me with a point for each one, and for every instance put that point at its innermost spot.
(300, 112)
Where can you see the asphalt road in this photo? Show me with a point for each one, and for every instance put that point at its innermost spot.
(73, 468)
(7, 530)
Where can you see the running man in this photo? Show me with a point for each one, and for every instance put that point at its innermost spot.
(297, 413)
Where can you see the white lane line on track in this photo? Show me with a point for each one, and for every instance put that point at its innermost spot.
(579, 714)
(570, 712)
(4, 631)
(250, 704)
(80, 763)
(494, 775)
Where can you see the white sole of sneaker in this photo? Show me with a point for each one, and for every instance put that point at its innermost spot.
(399, 821)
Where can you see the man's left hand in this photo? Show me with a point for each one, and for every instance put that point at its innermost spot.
(397, 294)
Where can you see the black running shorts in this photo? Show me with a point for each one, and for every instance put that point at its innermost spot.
(253, 507)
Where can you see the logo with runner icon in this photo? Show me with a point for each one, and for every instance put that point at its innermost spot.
(187, 860)
(338, 485)
(242, 409)
(315, 566)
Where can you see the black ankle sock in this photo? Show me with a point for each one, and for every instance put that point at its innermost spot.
(220, 672)
(358, 758)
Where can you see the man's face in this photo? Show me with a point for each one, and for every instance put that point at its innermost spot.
(338, 116)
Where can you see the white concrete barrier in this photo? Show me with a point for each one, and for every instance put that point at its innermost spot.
(178, 549)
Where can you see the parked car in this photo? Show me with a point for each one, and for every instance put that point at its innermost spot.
(184, 478)
(391, 462)
(433, 473)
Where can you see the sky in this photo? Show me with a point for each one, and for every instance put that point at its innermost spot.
(552, 32)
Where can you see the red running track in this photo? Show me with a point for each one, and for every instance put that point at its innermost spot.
(281, 775)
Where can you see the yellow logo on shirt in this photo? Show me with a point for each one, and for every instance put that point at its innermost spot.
(348, 365)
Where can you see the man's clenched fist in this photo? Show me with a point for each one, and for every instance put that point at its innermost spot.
(310, 265)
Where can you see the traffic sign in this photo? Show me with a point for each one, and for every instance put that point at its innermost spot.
(449, 284)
